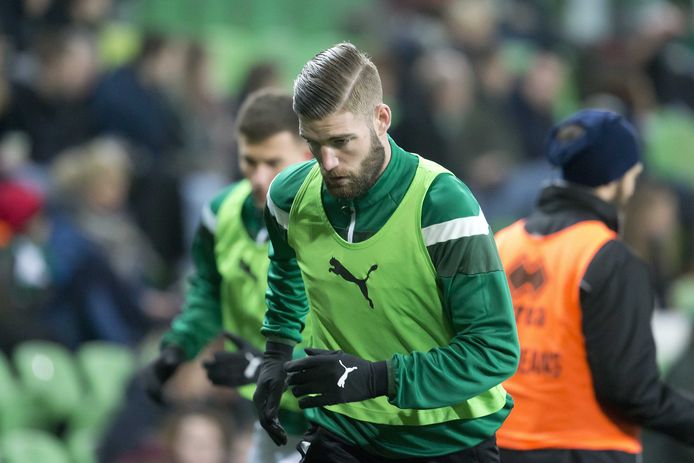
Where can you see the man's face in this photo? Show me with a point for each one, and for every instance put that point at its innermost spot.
(348, 150)
(627, 186)
(261, 162)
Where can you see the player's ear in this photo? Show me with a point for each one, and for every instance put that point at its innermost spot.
(382, 119)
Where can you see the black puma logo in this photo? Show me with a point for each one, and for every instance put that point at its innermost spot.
(247, 268)
(339, 269)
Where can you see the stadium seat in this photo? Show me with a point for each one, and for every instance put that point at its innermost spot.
(15, 411)
(81, 445)
(31, 446)
(48, 375)
(106, 369)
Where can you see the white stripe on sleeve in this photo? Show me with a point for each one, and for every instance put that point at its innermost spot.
(280, 216)
(456, 228)
(208, 219)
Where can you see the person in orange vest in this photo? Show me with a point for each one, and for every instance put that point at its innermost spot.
(587, 380)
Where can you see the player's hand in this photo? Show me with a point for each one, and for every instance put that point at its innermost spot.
(336, 377)
(271, 385)
(157, 373)
(234, 369)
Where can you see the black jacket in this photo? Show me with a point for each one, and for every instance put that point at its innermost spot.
(617, 305)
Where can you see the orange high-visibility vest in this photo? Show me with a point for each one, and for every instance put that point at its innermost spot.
(555, 404)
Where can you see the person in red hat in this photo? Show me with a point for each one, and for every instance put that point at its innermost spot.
(22, 287)
(19, 204)
(84, 298)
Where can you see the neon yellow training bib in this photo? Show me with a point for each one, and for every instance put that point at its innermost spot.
(378, 297)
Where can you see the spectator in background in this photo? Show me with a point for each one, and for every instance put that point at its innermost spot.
(22, 20)
(659, 47)
(78, 295)
(471, 140)
(532, 101)
(651, 229)
(208, 159)
(208, 146)
(92, 182)
(495, 80)
(89, 13)
(90, 301)
(61, 285)
(24, 277)
(472, 26)
(198, 435)
(133, 102)
(53, 108)
(260, 75)
(606, 77)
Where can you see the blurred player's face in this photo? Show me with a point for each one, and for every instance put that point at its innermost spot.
(261, 162)
(349, 150)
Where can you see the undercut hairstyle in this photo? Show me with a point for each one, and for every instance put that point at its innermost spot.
(341, 78)
(265, 113)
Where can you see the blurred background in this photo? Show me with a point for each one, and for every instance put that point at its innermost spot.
(116, 126)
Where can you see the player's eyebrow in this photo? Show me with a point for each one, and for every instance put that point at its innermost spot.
(331, 138)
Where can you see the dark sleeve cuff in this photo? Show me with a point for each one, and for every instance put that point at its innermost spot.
(278, 350)
(172, 355)
(380, 378)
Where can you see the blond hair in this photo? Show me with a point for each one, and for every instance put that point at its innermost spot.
(339, 78)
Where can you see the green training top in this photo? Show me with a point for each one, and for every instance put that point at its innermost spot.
(398, 286)
(481, 349)
(227, 288)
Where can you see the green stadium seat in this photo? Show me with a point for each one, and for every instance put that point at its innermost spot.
(15, 409)
(81, 446)
(106, 369)
(32, 446)
(49, 377)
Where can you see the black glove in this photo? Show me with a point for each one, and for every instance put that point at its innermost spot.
(160, 370)
(234, 369)
(271, 385)
(338, 378)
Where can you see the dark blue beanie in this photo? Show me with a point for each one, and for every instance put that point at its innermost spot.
(604, 147)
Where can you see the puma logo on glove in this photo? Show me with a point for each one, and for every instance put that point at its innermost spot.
(343, 378)
(321, 378)
(253, 364)
(234, 369)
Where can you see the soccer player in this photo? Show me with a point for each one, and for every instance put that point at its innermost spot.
(230, 249)
(390, 260)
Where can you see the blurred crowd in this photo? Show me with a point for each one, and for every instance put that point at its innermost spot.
(105, 166)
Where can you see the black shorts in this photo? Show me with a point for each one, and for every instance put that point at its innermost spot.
(322, 446)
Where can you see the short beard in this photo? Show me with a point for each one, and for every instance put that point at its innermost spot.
(369, 170)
